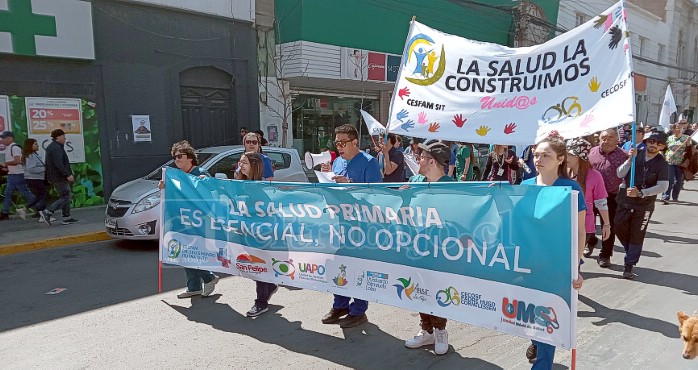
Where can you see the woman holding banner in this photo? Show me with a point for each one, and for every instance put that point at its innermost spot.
(185, 159)
(591, 181)
(251, 168)
(550, 159)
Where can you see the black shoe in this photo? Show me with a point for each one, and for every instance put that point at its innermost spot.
(45, 216)
(628, 273)
(4, 216)
(604, 262)
(588, 250)
(352, 321)
(70, 221)
(531, 353)
(665, 201)
(256, 311)
(335, 315)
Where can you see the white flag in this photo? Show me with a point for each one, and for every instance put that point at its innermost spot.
(668, 108)
(374, 127)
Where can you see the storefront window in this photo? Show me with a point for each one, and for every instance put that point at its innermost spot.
(315, 118)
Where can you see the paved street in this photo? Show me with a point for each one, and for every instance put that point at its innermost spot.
(111, 315)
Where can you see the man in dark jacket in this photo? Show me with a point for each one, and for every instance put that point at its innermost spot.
(58, 172)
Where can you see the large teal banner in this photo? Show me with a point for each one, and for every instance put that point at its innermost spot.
(500, 257)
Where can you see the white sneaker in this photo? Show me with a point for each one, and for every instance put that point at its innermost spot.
(423, 338)
(210, 286)
(187, 294)
(52, 219)
(22, 212)
(441, 342)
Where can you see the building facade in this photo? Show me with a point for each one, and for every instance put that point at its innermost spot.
(334, 59)
(181, 69)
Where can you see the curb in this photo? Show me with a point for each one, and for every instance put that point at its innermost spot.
(53, 243)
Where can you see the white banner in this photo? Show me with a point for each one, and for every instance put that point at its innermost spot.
(452, 88)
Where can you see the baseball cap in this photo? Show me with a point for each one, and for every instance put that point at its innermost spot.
(657, 136)
(57, 132)
(439, 151)
(7, 134)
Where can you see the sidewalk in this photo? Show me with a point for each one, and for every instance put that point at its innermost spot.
(17, 235)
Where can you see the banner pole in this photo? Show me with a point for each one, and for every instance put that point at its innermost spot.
(631, 77)
(162, 227)
(632, 161)
(574, 359)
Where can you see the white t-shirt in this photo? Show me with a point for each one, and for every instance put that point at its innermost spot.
(10, 152)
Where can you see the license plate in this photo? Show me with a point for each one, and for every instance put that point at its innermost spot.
(110, 223)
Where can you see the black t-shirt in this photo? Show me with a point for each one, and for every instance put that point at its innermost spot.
(647, 174)
(398, 158)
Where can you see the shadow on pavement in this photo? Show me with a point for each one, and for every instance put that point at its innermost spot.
(364, 347)
(671, 238)
(688, 284)
(609, 315)
(645, 253)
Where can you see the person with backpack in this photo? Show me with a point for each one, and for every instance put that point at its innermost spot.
(15, 176)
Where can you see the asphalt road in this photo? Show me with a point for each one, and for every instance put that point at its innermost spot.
(110, 315)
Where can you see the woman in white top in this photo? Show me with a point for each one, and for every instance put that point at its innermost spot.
(34, 173)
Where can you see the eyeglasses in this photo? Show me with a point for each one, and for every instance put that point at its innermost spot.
(179, 156)
(652, 141)
(341, 143)
(244, 162)
(251, 142)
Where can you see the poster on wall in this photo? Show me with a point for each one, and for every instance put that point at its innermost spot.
(354, 64)
(47, 114)
(141, 128)
(5, 124)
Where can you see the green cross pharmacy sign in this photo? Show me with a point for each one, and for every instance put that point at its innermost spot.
(55, 28)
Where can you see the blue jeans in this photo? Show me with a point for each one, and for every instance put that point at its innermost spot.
(675, 182)
(16, 182)
(545, 353)
(37, 188)
(65, 195)
(195, 278)
(356, 308)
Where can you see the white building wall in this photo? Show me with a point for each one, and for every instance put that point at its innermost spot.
(642, 24)
(242, 10)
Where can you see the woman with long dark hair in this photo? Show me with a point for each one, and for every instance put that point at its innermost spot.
(252, 168)
(34, 174)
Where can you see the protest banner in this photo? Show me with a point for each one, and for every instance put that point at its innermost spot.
(464, 251)
(452, 88)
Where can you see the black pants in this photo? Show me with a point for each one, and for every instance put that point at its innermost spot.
(607, 245)
(263, 291)
(632, 226)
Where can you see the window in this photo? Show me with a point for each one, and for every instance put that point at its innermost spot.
(279, 161)
(643, 46)
(661, 52)
(226, 166)
(580, 19)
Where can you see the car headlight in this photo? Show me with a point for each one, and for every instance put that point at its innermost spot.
(147, 203)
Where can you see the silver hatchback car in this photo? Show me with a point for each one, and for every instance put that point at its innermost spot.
(134, 207)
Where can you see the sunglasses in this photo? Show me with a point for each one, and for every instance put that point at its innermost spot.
(179, 156)
(251, 142)
(341, 143)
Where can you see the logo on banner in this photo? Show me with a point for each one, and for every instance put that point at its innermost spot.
(410, 290)
(424, 65)
(451, 296)
(311, 271)
(341, 278)
(283, 268)
(519, 313)
(174, 247)
(249, 263)
(373, 280)
(222, 256)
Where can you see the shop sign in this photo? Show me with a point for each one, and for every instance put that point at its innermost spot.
(47, 114)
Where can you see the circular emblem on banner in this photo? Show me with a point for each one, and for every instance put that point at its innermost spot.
(424, 63)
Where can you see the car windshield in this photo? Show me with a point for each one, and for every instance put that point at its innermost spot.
(157, 174)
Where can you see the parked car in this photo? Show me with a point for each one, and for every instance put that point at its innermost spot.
(134, 207)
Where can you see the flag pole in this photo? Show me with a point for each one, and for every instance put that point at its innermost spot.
(631, 77)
